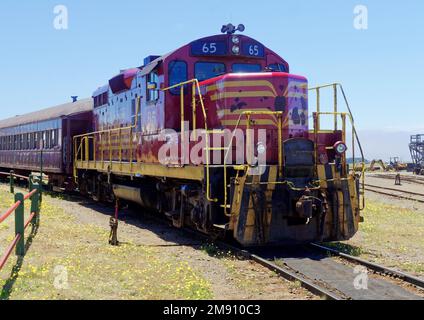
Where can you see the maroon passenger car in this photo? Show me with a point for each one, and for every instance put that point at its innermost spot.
(22, 137)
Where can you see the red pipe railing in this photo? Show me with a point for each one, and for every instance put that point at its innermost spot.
(10, 211)
(29, 195)
(9, 250)
(18, 208)
(14, 175)
(29, 220)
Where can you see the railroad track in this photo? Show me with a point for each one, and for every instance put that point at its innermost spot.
(316, 270)
(413, 179)
(419, 283)
(397, 193)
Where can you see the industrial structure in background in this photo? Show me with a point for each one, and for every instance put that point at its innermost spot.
(396, 164)
(416, 146)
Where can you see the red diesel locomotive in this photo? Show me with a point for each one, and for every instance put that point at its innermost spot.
(215, 135)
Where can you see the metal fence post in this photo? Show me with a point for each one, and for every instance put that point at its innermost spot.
(41, 171)
(30, 183)
(35, 204)
(12, 181)
(19, 225)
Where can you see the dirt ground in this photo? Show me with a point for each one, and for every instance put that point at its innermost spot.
(69, 258)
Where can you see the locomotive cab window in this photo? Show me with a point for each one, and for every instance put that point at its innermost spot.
(152, 89)
(277, 67)
(207, 70)
(246, 68)
(177, 74)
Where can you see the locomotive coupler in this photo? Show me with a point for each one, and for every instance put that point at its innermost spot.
(305, 206)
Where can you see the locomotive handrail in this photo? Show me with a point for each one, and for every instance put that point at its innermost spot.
(78, 148)
(343, 115)
(195, 87)
(248, 114)
(20, 225)
(335, 97)
(336, 113)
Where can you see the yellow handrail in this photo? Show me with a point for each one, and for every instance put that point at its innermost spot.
(195, 84)
(355, 138)
(343, 115)
(91, 135)
(248, 114)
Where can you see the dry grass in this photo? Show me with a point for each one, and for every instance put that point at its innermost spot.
(392, 236)
(70, 260)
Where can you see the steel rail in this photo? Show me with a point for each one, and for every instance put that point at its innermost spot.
(373, 266)
(292, 276)
(412, 179)
(394, 195)
(396, 190)
(282, 272)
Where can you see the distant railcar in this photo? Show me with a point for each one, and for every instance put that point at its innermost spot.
(22, 137)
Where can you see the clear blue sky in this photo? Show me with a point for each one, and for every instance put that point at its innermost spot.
(381, 68)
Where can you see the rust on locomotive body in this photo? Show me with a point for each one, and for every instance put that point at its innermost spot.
(207, 91)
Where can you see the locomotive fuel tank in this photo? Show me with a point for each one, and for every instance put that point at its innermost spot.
(142, 195)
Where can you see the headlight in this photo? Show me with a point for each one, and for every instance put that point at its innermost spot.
(340, 147)
(235, 40)
(236, 49)
(261, 148)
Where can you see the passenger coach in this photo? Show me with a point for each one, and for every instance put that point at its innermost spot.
(22, 138)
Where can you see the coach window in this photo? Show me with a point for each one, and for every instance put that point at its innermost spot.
(177, 74)
(27, 142)
(152, 84)
(56, 137)
(207, 70)
(48, 139)
(44, 139)
(51, 134)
